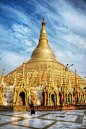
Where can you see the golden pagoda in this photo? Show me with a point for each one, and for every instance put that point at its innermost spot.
(43, 80)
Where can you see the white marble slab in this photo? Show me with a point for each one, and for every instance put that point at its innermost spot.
(4, 119)
(65, 125)
(8, 126)
(84, 117)
(9, 113)
(36, 123)
(57, 117)
(82, 110)
(84, 122)
(75, 113)
(26, 115)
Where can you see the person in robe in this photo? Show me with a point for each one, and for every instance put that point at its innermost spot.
(32, 108)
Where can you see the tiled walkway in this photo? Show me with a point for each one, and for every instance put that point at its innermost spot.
(73, 119)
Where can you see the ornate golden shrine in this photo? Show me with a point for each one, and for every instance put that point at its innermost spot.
(44, 80)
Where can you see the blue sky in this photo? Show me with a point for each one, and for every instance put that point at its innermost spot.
(20, 25)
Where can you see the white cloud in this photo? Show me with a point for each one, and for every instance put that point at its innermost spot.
(28, 43)
(36, 41)
(16, 14)
(75, 39)
(72, 17)
(21, 29)
(10, 61)
(30, 49)
(65, 14)
(67, 57)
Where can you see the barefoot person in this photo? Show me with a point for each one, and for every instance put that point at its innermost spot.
(32, 108)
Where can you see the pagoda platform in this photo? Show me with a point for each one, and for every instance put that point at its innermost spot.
(42, 108)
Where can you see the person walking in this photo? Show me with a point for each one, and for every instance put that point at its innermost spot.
(32, 108)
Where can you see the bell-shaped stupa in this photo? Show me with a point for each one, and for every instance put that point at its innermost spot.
(43, 80)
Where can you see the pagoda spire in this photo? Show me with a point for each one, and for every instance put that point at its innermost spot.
(43, 50)
(43, 34)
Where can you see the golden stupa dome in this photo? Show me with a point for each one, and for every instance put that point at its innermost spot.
(43, 50)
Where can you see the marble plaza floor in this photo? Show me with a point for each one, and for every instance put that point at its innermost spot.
(65, 119)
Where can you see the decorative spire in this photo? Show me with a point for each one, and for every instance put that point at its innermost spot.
(3, 75)
(3, 72)
(59, 80)
(49, 77)
(76, 77)
(27, 77)
(64, 77)
(39, 77)
(23, 75)
(15, 78)
(69, 81)
(11, 81)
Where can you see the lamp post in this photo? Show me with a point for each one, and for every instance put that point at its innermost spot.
(66, 68)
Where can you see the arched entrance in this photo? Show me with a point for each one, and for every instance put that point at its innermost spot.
(82, 98)
(53, 98)
(22, 97)
(60, 98)
(69, 99)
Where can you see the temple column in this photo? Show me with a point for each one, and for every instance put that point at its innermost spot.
(27, 98)
(84, 97)
(72, 98)
(67, 99)
(45, 99)
(17, 98)
(62, 100)
(0, 97)
(42, 98)
(50, 98)
(81, 98)
(75, 98)
(57, 100)
(78, 97)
